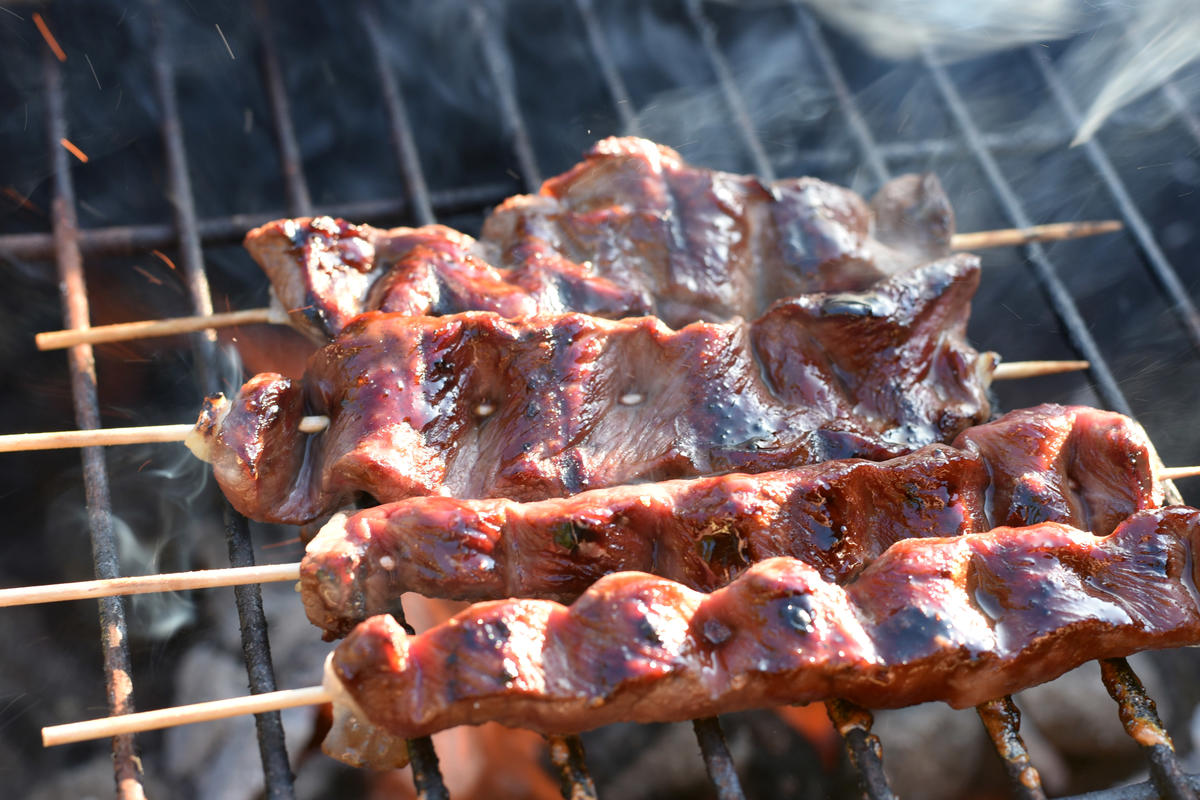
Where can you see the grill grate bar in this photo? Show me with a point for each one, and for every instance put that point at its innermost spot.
(125, 239)
(118, 677)
(255, 644)
(867, 144)
(298, 198)
(717, 759)
(1141, 722)
(862, 746)
(566, 753)
(1181, 301)
(1179, 104)
(1002, 719)
(729, 90)
(402, 134)
(500, 67)
(608, 68)
(1060, 299)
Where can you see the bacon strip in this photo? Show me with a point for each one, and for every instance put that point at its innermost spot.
(962, 620)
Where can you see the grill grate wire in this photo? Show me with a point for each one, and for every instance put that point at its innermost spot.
(67, 245)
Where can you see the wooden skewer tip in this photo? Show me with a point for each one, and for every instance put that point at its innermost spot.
(145, 584)
(1032, 369)
(105, 727)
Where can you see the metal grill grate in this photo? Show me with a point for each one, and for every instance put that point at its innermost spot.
(67, 245)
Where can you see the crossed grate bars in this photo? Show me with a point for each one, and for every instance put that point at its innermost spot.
(67, 244)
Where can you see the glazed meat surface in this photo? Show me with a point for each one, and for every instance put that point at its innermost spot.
(630, 231)
(837, 516)
(963, 620)
(474, 406)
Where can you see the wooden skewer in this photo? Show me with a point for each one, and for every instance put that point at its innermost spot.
(57, 440)
(123, 331)
(183, 715)
(147, 329)
(1008, 237)
(1175, 473)
(1032, 369)
(145, 584)
(101, 437)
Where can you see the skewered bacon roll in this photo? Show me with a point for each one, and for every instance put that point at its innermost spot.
(1080, 466)
(472, 405)
(962, 620)
(632, 230)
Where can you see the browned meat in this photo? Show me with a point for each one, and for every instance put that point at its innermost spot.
(962, 620)
(325, 272)
(1088, 468)
(472, 405)
(837, 516)
(632, 230)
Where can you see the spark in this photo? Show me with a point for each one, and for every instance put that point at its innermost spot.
(163, 258)
(49, 37)
(228, 49)
(148, 275)
(22, 201)
(145, 464)
(73, 150)
(93, 69)
(296, 540)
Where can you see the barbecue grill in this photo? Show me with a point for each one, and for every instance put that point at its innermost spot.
(517, 94)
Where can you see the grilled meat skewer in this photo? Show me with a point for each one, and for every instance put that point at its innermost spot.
(963, 620)
(630, 231)
(472, 405)
(1080, 466)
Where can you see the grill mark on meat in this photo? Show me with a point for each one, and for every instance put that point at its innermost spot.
(401, 392)
(632, 230)
(910, 629)
(837, 516)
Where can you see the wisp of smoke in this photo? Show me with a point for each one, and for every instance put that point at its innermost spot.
(1131, 49)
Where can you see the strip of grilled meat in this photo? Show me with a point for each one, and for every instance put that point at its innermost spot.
(632, 230)
(962, 620)
(472, 405)
(1080, 466)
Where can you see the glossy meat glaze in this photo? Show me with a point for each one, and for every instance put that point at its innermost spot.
(473, 405)
(630, 231)
(963, 620)
(1080, 466)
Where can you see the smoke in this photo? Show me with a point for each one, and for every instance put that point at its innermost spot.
(1129, 50)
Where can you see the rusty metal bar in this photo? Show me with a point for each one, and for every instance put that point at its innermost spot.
(118, 678)
(1140, 718)
(862, 747)
(1060, 299)
(393, 103)
(729, 90)
(1138, 791)
(298, 198)
(427, 776)
(717, 760)
(867, 144)
(566, 753)
(256, 646)
(1162, 269)
(126, 239)
(608, 68)
(500, 67)
(1002, 719)
(179, 194)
